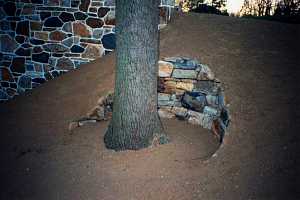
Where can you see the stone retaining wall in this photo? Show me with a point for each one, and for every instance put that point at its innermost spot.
(187, 90)
(42, 39)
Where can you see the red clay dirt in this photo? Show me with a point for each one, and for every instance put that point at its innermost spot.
(258, 63)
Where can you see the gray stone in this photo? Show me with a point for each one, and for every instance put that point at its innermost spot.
(194, 101)
(165, 112)
(55, 48)
(2, 13)
(183, 63)
(195, 117)
(25, 82)
(212, 112)
(207, 87)
(180, 112)
(109, 3)
(64, 64)
(68, 42)
(201, 119)
(66, 3)
(3, 95)
(83, 122)
(97, 33)
(186, 64)
(164, 97)
(7, 44)
(212, 100)
(168, 100)
(52, 62)
(4, 25)
(225, 116)
(165, 103)
(67, 27)
(205, 73)
(184, 74)
(207, 121)
(221, 99)
(168, 2)
(171, 59)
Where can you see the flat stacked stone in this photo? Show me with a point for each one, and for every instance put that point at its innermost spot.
(189, 91)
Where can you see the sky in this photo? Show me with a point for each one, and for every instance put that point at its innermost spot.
(233, 6)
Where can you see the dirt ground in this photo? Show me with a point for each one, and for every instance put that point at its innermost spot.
(258, 63)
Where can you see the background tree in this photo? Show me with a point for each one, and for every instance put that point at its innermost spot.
(135, 122)
(257, 7)
(212, 6)
(218, 4)
(287, 8)
(280, 10)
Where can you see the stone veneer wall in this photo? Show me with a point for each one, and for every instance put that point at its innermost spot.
(42, 39)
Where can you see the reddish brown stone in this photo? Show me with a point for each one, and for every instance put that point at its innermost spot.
(111, 22)
(81, 29)
(110, 18)
(27, 10)
(64, 64)
(84, 5)
(93, 51)
(6, 75)
(162, 12)
(57, 35)
(103, 11)
(35, 26)
(94, 22)
(216, 129)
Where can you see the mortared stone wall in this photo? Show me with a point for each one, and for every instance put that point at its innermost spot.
(42, 39)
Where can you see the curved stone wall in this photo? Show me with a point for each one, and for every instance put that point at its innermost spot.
(187, 90)
(41, 39)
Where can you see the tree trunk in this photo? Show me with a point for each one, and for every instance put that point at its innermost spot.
(135, 121)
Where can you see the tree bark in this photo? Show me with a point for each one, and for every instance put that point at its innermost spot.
(135, 121)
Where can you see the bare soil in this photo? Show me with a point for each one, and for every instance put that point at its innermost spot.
(258, 63)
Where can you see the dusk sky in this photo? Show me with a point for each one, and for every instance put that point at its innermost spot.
(233, 6)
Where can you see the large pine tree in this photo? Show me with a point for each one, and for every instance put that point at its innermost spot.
(135, 122)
